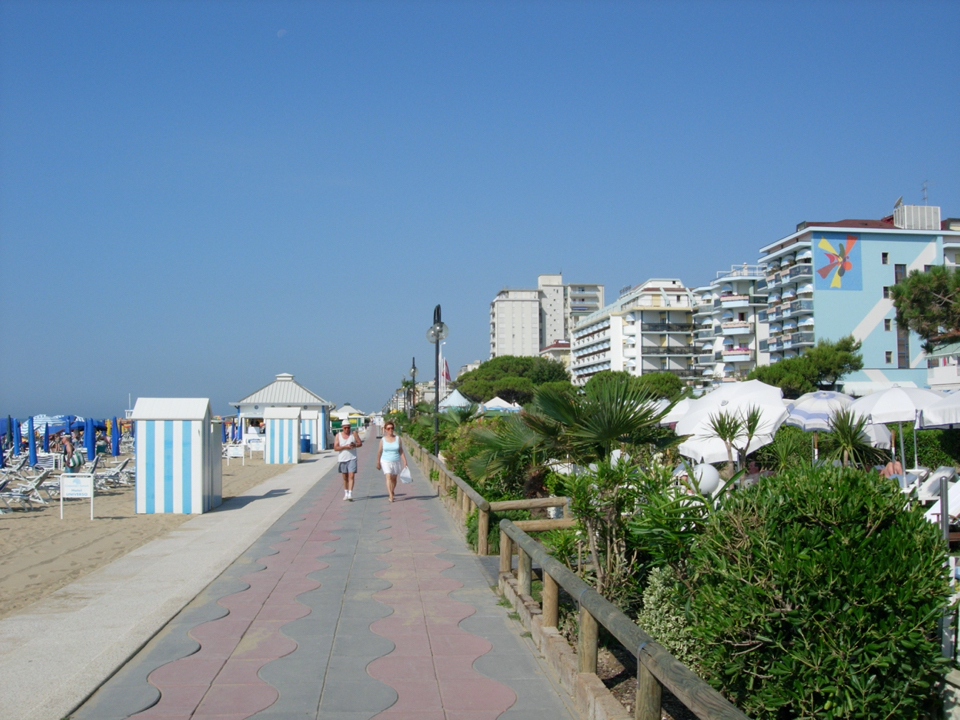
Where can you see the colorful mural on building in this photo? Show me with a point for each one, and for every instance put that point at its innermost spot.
(838, 262)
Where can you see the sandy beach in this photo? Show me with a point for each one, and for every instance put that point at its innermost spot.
(40, 553)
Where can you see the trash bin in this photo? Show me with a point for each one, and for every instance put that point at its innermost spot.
(305, 443)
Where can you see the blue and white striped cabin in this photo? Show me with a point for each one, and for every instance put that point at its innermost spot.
(309, 428)
(177, 456)
(282, 443)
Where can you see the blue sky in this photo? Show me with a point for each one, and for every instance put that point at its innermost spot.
(196, 196)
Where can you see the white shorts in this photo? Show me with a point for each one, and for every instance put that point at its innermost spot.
(391, 467)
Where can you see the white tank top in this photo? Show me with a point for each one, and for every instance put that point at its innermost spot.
(346, 454)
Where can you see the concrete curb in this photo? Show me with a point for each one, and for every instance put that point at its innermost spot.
(57, 652)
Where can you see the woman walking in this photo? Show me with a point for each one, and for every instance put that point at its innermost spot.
(389, 457)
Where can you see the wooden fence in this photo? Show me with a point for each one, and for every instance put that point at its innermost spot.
(656, 667)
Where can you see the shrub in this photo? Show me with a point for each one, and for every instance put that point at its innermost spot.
(663, 617)
(493, 534)
(817, 594)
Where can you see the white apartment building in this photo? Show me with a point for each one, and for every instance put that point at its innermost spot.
(522, 322)
(515, 323)
(649, 328)
(728, 331)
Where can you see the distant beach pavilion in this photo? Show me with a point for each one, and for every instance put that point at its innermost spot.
(349, 412)
(285, 392)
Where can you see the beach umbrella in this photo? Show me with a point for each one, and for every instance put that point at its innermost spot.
(896, 405)
(736, 399)
(9, 430)
(945, 412)
(115, 438)
(813, 411)
(31, 442)
(90, 440)
(46, 437)
(16, 437)
(223, 433)
(676, 412)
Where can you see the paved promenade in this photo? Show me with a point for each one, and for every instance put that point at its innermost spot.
(342, 611)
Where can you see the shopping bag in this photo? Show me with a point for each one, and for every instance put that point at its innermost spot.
(405, 476)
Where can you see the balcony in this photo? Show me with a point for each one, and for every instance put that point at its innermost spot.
(764, 345)
(803, 270)
(707, 334)
(740, 354)
(655, 350)
(666, 327)
(630, 329)
(737, 327)
(630, 351)
(706, 359)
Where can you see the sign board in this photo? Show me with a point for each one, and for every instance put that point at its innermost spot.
(76, 486)
(234, 451)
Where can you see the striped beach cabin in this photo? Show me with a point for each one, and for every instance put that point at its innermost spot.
(177, 456)
(284, 391)
(309, 427)
(282, 442)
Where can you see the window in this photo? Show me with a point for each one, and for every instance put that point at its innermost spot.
(885, 258)
(899, 273)
(887, 323)
(886, 292)
(889, 356)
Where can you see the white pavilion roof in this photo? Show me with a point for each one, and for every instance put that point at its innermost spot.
(284, 391)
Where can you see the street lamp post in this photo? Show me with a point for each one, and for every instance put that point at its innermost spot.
(436, 333)
(413, 378)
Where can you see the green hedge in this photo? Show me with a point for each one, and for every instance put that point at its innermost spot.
(815, 594)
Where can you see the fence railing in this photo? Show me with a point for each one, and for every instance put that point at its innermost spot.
(656, 667)
(461, 499)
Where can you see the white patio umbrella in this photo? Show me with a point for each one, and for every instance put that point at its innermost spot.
(737, 399)
(676, 412)
(945, 412)
(896, 404)
(705, 449)
(812, 412)
(878, 435)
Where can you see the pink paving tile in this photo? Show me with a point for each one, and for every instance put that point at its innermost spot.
(229, 699)
(479, 694)
(240, 672)
(217, 647)
(438, 584)
(229, 626)
(472, 714)
(456, 667)
(264, 644)
(443, 626)
(448, 608)
(192, 670)
(417, 715)
(392, 626)
(283, 611)
(418, 645)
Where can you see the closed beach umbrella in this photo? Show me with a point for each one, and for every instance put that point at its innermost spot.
(16, 437)
(31, 442)
(46, 437)
(9, 430)
(90, 440)
(115, 438)
(223, 433)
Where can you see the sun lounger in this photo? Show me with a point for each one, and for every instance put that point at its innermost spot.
(112, 477)
(17, 495)
(929, 490)
(31, 489)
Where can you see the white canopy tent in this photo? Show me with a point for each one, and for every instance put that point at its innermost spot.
(455, 400)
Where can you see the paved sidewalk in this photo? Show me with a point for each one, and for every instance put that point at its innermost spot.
(342, 611)
(60, 650)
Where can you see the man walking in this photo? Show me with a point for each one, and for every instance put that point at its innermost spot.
(346, 443)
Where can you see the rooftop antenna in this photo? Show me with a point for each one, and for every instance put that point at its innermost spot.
(924, 187)
(898, 203)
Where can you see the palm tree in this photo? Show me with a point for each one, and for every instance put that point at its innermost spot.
(848, 442)
(736, 431)
(578, 428)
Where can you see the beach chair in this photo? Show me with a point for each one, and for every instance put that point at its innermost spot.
(31, 489)
(16, 470)
(10, 494)
(112, 477)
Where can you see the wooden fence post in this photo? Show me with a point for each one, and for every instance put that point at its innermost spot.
(649, 691)
(523, 572)
(459, 513)
(587, 642)
(550, 603)
(483, 530)
(506, 553)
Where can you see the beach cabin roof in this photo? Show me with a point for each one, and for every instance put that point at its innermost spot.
(171, 409)
(284, 391)
(347, 411)
(280, 413)
(454, 399)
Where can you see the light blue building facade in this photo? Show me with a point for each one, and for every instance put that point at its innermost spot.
(830, 280)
